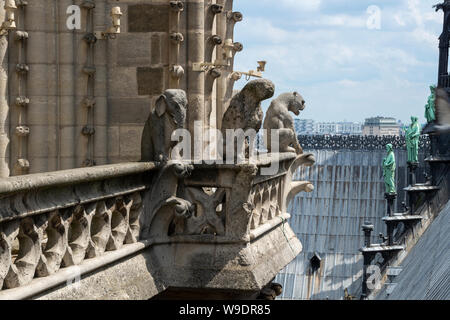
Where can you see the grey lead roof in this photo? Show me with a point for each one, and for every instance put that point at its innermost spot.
(349, 189)
(425, 271)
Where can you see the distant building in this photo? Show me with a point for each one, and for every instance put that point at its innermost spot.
(305, 126)
(349, 128)
(381, 126)
(310, 127)
(330, 128)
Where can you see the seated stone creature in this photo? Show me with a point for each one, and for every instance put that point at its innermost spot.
(278, 118)
(245, 110)
(168, 115)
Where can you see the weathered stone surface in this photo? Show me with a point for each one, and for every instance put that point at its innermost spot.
(134, 50)
(128, 147)
(148, 18)
(128, 279)
(150, 80)
(245, 111)
(214, 233)
(128, 111)
(210, 267)
(123, 82)
(168, 115)
(228, 239)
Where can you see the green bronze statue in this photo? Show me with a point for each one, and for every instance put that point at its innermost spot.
(430, 114)
(412, 140)
(389, 170)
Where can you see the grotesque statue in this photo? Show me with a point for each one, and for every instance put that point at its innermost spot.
(412, 140)
(389, 170)
(168, 115)
(245, 110)
(278, 118)
(430, 106)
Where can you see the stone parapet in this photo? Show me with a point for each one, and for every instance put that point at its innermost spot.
(135, 230)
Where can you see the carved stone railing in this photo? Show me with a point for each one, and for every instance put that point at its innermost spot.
(53, 221)
(335, 142)
(230, 201)
(237, 218)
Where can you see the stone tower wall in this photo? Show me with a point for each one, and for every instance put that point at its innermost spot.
(124, 75)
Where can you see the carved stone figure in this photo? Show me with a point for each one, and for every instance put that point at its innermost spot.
(166, 209)
(278, 118)
(168, 115)
(412, 140)
(245, 107)
(389, 170)
(245, 110)
(430, 106)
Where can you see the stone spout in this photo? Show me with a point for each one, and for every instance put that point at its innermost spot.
(297, 187)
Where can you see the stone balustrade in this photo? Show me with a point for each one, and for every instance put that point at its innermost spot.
(219, 222)
(358, 142)
(56, 220)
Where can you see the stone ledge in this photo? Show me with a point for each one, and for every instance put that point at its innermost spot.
(66, 275)
(73, 176)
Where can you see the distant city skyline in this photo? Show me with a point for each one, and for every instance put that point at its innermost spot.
(344, 120)
(378, 125)
(408, 121)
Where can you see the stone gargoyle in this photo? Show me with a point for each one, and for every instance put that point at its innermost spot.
(168, 115)
(278, 118)
(245, 110)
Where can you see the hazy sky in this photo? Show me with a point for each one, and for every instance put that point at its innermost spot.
(345, 70)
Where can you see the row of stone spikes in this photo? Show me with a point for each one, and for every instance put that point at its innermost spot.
(46, 243)
(89, 69)
(177, 38)
(22, 131)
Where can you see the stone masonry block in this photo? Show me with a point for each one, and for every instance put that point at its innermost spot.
(150, 80)
(133, 50)
(148, 18)
(131, 111)
(130, 141)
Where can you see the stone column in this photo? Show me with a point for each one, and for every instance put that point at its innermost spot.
(221, 27)
(4, 107)
(19, 76)
(212, 43)
(66, 53)
(195, 80)
(41, 86)
(176, 70)
(367, 229)
(443, 46)
(390, 198)
(102, 21)
(81, 83)
(226, 24)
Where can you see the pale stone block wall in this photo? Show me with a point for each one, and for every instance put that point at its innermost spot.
(131, 71)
